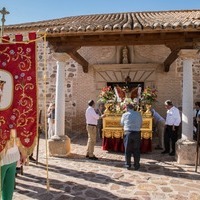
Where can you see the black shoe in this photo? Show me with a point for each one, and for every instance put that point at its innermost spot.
(136, 167)
(93, 158)
(18, 170)
(32, 159)
(87, 156)
(158, 148)
(164, 152)
(172, 153)
(128, 167)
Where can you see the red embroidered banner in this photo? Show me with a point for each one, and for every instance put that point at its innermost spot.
(18, 93)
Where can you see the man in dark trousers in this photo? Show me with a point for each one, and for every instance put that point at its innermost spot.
(196, 113)
(132, 122)
(173, 120)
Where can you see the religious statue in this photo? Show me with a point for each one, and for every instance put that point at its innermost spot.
(122, 93)
(125, 59)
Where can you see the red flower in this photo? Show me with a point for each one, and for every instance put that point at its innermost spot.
(106, 94)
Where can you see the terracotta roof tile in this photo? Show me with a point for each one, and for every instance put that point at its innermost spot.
(135, 21)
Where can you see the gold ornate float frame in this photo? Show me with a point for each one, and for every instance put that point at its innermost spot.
(113, 129)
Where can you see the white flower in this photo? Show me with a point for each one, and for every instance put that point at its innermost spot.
(10, 126)
(12, 52)
(13, 117)
(29, 78)
(26, 140)
(22, 74)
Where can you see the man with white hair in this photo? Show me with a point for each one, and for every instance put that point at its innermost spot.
(172, 123)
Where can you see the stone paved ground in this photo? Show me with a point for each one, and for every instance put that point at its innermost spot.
(75, 177)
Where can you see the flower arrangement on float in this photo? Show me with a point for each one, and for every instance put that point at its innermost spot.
(113, 105)
(106, 95)
(149, 95)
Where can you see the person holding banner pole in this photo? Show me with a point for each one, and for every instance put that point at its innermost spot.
(8, 164)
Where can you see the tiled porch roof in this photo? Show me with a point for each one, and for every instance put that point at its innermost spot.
(164, 21)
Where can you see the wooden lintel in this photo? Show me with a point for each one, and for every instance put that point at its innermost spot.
(128, 38)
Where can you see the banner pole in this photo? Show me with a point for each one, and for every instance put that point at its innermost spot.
(45, 113)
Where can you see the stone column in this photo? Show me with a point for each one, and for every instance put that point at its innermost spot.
(185, 147)
(59, 144)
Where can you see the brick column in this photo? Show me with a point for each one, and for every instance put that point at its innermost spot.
(60, 143)
(186, 146)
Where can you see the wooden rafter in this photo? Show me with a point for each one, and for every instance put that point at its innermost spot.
(79, 59)
(72, 52)
(173, 56)
(170, 59)
(174, 40)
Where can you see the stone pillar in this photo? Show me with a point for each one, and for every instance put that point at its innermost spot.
(59, 144)
(186, 147)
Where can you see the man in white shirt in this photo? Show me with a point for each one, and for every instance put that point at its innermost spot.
(172, 123)
(91, 127)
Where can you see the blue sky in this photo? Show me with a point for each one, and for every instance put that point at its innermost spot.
(22, 11)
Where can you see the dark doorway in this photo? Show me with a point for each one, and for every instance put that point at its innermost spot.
(130, 85)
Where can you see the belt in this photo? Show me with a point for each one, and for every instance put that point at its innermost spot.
(172, 126)
(132, 131)
(92, 125)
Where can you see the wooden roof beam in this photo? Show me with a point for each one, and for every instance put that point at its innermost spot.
(79, 59)
(174, 55)
(72, 52)
(170, 59)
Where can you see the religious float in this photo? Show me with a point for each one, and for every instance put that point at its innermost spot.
(115, 100)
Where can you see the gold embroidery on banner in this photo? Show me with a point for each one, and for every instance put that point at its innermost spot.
(27, 134)
(3, 139)
(6, 54)
(26, 64)
(26, 102)
(2, 120)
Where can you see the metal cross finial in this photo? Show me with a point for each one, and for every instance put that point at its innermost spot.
(3, 12)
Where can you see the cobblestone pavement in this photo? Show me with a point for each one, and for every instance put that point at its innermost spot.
(75, 177)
